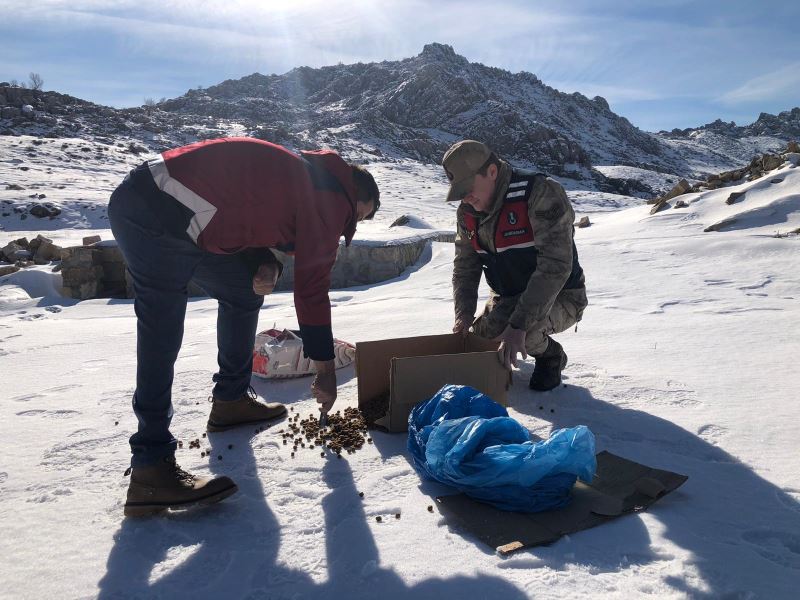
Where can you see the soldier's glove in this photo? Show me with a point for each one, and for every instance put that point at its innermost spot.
(512, 342)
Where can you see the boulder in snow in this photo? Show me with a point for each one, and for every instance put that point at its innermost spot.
(38, 241)
(16, 251)
(46, 252)
(47, 209)
(734, 197)
(721, 224)
(411, 221)
(771, 161)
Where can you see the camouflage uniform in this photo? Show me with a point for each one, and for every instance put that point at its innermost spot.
(545, 306)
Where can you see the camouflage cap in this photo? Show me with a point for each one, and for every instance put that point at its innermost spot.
(461, 163)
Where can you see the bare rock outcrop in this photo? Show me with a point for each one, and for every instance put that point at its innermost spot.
(681, 187)
(759, 167)
(24, 253)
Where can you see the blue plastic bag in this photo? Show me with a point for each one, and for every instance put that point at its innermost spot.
(463, 438)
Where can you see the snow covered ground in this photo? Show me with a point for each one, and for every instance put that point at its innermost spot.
(685, 360)
(653, 179)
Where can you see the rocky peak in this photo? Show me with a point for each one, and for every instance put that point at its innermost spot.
(442, 53)
(784, 124)
(602, 103)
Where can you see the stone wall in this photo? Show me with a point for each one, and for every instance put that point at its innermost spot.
(98, 271)
(94, 272)
(362, 264)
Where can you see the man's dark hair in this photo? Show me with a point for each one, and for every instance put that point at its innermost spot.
(366, 188)
(492, 160)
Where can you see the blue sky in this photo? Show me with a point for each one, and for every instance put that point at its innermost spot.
(660, 63)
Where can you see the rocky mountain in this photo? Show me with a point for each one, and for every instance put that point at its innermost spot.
(785, 125)
(412, 108)
(728, 145)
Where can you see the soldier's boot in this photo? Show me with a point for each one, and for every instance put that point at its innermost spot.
(243, 411)
(549, 364)
(164, 485)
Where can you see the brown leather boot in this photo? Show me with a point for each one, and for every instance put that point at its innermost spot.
(155, 488)
(226, 414)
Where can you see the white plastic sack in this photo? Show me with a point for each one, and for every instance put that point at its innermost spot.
(278, 354)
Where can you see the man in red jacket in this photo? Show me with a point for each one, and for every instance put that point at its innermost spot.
(210, 212)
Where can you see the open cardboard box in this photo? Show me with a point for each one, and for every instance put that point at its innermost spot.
(410, 370)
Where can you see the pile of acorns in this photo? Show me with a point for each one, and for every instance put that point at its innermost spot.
(192, 444)
(375, 408)
(344, 432)
(195, 445)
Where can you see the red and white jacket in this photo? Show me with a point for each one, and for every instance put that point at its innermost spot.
(248, 193)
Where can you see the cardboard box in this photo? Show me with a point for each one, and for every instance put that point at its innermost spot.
(410, 370)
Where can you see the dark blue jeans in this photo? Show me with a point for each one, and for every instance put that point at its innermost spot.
(161, 265)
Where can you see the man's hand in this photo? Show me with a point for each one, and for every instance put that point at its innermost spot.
(324, 386)
(265, 278)
(462, 324)
(512, 342)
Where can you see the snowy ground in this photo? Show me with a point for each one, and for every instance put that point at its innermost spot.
(684, 361)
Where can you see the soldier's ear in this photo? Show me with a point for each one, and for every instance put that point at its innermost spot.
(492, 172)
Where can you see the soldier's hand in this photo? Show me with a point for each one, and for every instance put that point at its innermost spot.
(323, 387)
(512, 342)
(265, 278)
(462, 324)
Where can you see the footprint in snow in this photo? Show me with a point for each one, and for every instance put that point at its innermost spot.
(789, 497)
(717, 281)
(672, 395)
(755, 286)
(50, 496)
(712, 433)
(59, 388)
(73, 454)
(95, 364)
(26, 397)
(51, 414)
(32, 317)
(780, 547)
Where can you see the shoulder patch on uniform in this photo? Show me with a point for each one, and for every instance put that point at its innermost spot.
(551, 214)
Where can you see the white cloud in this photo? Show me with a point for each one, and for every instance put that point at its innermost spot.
(304, 32)
(666, 51)
(771, 86)
(612, 93)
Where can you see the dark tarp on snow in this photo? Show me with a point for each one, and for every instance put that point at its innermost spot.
(619, 487)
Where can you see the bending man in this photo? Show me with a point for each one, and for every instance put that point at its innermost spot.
(210, 212)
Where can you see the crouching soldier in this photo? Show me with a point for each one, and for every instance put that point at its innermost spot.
(516, 227)
(209, 213)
